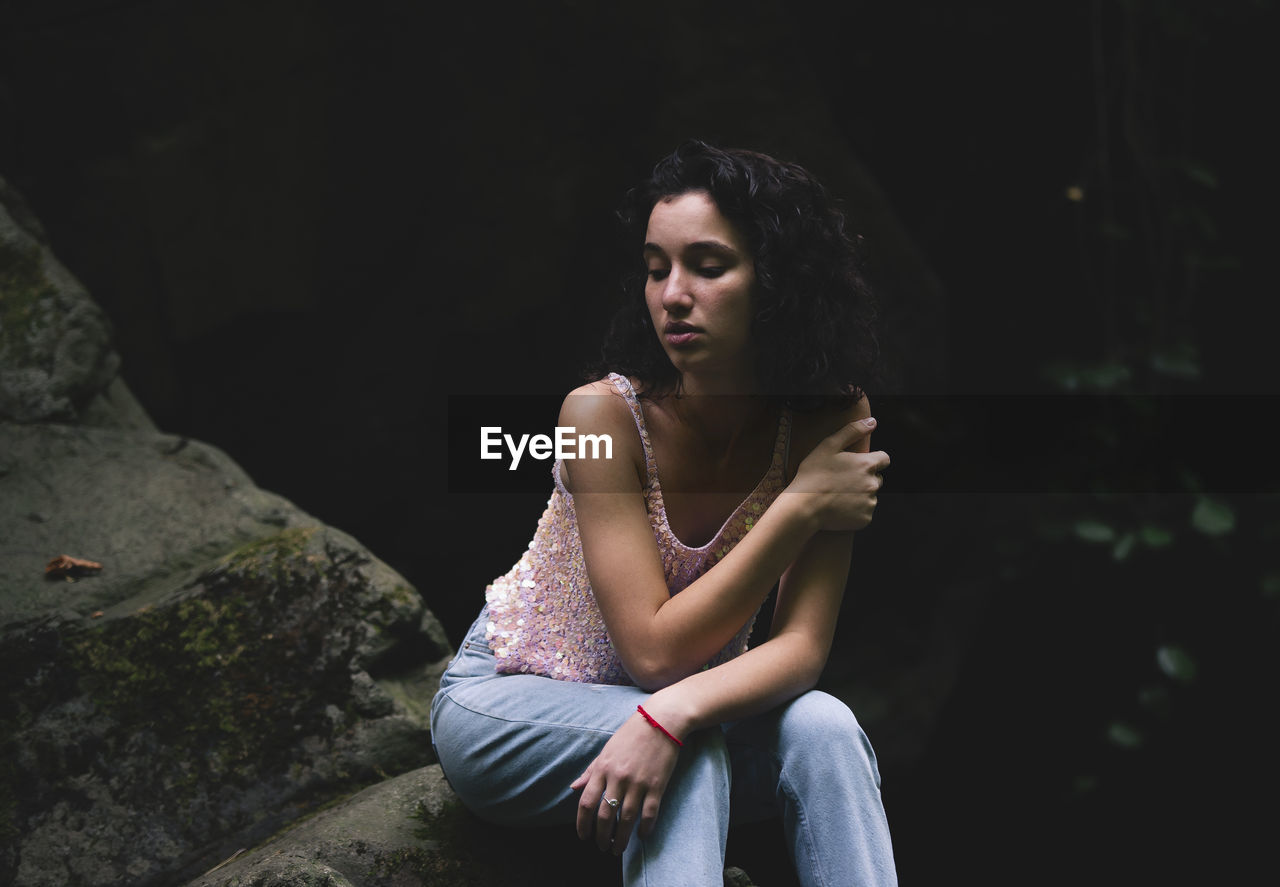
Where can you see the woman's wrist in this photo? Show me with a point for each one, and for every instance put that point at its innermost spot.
(804, 509)
(653, 722)
(670, 712)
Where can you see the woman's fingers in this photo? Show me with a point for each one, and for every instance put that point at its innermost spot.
(606, 821)
(881, 461)
(614, 824)
(846, 436)
(844, 483)
(588, 803)
(600, 810)
(628, 813)
(610, 818)
(649, 814)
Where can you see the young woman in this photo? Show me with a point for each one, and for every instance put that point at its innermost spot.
(608, 680)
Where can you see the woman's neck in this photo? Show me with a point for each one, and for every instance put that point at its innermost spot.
(720, 418)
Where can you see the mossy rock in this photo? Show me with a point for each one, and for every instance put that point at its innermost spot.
(56, 356)
(141, 747)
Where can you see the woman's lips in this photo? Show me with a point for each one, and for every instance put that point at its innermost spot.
(677, 333)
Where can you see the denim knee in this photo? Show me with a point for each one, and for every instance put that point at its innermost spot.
(818, 725)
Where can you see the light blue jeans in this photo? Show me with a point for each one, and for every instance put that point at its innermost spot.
(511, 744)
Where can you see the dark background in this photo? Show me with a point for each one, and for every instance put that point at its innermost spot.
(312, 223)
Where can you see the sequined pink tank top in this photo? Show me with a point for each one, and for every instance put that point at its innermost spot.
(543, 617)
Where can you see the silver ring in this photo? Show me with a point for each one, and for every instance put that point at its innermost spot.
(612, 802)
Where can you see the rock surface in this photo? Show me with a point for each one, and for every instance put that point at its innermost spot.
(56, 359)
(232, 664)
(411, 831)
(143, 743)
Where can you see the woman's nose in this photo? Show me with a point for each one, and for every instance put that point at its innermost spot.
(676, 295)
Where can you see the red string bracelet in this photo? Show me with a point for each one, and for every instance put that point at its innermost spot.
(649, 718)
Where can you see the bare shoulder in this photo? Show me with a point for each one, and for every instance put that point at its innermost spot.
(598, 408)
(808, 428)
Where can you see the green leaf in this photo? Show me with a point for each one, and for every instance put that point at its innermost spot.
(1101, 376)
(1105, 376)
(1094, 531)
(1124, 546)
(1213, 518)
(1178, 361)
(1155, 537)
(1124, 735)
(1176, 663)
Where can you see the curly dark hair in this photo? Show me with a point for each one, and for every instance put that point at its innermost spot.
(813, 326)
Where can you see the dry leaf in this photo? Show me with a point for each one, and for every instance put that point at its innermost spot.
(65, 565)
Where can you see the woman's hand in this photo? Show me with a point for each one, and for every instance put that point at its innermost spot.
(843, 484)
(633, 768)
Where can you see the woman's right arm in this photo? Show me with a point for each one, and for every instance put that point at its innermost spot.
(661, 639)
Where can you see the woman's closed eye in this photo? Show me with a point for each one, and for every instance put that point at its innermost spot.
(708, 271)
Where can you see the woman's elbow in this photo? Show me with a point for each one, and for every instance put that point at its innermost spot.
(654, 673)
(653, 681)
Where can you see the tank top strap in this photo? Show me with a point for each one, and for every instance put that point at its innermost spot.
(623, 384)
(782, 445)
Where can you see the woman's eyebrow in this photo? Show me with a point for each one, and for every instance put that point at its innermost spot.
(711, 246)
(696, 246)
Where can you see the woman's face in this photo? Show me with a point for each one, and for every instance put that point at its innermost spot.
(699, 286)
